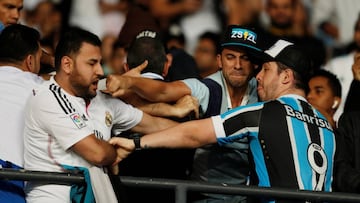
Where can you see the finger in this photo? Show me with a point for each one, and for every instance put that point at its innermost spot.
(118, 93)
(114, 140)
(196, 110)
(115, 169)
(142, 66)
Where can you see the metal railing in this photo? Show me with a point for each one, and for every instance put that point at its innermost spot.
(182, 187)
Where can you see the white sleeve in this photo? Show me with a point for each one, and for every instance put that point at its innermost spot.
(126, 116)
(218, 126)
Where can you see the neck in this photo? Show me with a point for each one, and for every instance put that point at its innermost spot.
(295, 91)
(61, 81)
(236, 95)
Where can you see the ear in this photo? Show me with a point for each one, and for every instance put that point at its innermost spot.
(169, 59)
(218, 59)
(126, 67)
(29, 63)
(336, 103)
(67, 64)
(286, 75)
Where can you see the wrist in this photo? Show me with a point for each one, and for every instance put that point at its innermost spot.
(137, 144)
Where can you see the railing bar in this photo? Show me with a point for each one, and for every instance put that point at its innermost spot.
(41, 176)
(180, 194)
(182, 186)
(243, 190)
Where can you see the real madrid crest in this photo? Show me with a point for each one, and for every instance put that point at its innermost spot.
(108, 119)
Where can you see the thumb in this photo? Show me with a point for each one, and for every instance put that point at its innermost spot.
(142, 66)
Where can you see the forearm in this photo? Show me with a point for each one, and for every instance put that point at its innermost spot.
(158, 91)
(166, 110)
(150, 124)
(159, 109)
(190, 134)
(95, 151)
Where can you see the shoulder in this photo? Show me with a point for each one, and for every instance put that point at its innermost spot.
(217, 77)
(48, 96)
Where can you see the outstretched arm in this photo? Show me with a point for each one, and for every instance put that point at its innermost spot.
(180, 109)
(190, 134)
(152, 90)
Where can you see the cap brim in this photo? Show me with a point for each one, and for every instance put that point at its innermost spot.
(259, 57)
(240, 46)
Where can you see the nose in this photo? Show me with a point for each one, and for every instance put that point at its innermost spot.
(259, 75)
(15, 15)
(238, 64)
(309, 96)
(99, 70)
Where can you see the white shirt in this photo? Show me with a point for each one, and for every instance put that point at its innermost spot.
(342, 14)
(15, 88)
(55, 121)
(341, 67)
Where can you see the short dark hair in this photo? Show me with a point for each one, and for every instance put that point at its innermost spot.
(18, 41)
(71, 42)
(334, 81)
(301, 81)
(214, 38)
(147, 48)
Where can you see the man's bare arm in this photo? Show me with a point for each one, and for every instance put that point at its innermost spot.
(180, 109)
(190, 134)
(152, 90)
(150, 124)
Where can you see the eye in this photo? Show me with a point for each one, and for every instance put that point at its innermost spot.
(244, 57)
(230, 56)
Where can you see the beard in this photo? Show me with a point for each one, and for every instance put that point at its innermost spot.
(82, 90)
(281, 25)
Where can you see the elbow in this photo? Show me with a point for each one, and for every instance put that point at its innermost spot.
(103, 159)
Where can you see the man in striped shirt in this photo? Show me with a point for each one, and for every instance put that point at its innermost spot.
(292, 144)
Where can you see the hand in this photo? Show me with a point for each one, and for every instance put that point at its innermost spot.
(186, 105)
(117, 85)
(356, 66)
(123, 147)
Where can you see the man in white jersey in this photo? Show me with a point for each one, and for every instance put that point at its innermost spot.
(19, 64)
(68, 122)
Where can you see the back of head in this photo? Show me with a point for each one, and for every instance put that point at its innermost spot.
(18, 41)
(71, 42)
(147, 46)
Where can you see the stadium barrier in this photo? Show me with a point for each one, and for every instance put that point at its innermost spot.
(182, 187)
